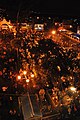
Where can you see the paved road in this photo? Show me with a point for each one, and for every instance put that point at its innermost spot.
(66, 42)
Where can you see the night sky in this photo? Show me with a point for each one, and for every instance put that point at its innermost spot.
(59, 7)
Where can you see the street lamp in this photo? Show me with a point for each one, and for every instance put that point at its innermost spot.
(24, 72)
(27, 80)
(32, 75)
(53, 32)
(19, 77)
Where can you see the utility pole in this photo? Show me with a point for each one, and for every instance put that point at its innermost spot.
(18, 17)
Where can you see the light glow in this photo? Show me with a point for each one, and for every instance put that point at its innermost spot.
(27, 80)
(19, 77)
(32, 75)
(53, 32)
(24, 72)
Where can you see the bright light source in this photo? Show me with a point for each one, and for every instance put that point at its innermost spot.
(4, 88)
(32, 75)
(37, 17)
(52, 98)
(58, 67)
(24, 72)
(10, 26)
(53, 32)
(19, 77)
(49, 18)
(70, 26)
(27, 80)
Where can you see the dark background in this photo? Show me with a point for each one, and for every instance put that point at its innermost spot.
(58, 7)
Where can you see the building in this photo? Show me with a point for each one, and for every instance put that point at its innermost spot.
(39, 27)
(5, 25)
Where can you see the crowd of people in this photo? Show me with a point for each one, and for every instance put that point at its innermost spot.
(31, 48)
